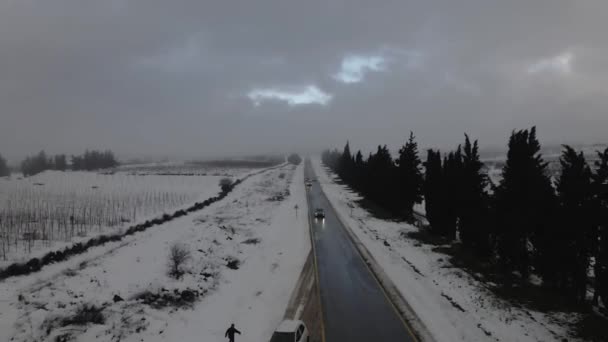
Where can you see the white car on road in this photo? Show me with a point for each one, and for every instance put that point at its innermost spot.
(291, 331)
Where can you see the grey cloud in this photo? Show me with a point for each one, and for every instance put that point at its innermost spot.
(158, 77)
(303, 96)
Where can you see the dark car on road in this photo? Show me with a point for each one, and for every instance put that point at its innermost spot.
(319, 214)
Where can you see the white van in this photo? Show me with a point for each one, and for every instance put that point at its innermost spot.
(291, 331)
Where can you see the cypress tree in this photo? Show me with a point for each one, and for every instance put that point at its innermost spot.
(442, 191)
(381, 173)
(524, 202)
(600, 238)
(345, 167)
(452, 174)
(433, 191)
(473, 212)
(359, 172)
(569, 243)
(409, 178)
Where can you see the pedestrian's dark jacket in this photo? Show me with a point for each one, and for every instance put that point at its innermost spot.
(230, 332)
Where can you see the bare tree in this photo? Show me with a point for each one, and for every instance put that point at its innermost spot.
(178, 255)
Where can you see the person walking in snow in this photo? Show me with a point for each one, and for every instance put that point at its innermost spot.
(230, 333)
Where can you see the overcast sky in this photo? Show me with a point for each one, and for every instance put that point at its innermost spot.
(209, 78)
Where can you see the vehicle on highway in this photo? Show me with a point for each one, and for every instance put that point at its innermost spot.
(319, 213)
(291, 331)
(308, 184)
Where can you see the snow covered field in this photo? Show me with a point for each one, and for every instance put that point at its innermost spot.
(185, 169)
(451, 303)
(53, 208)
(247, 252)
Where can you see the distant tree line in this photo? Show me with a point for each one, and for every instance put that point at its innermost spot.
(94, 160)
(294, 159)
(4, 169)
(40, 162)
(526, 224)
(248, 162)
(89, 160)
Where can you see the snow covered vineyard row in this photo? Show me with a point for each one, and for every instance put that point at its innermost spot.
(246, 253)
(53, 209)
(451, 303)
(35, 264)
(224, 168)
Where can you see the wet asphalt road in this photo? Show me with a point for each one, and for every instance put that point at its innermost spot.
(355, 308)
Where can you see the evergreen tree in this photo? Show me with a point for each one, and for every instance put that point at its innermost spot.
(77, 163)
(442, 191)
(109, 160)
(94, 160)
(434, 189)
(359, 172)
(525, 200)
(473, 213)
(331, 159)
(35, 164)
(50, 164)
(381, 173)
(409, 178)
(60, 162)
(600, 236)
(345, 167)
(568, 245)
(4, 170)
(452, 174)
(294, 159)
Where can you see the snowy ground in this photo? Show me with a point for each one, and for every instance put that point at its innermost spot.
(452, 305)
(183, 168)
(113, 200)
(252, 226)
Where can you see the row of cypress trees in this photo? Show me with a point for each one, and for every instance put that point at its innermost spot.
(395, 185)
(528, 223)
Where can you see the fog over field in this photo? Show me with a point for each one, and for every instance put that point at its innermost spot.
(205, 79)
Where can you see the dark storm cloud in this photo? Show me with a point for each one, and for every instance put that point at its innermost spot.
(157, 77)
